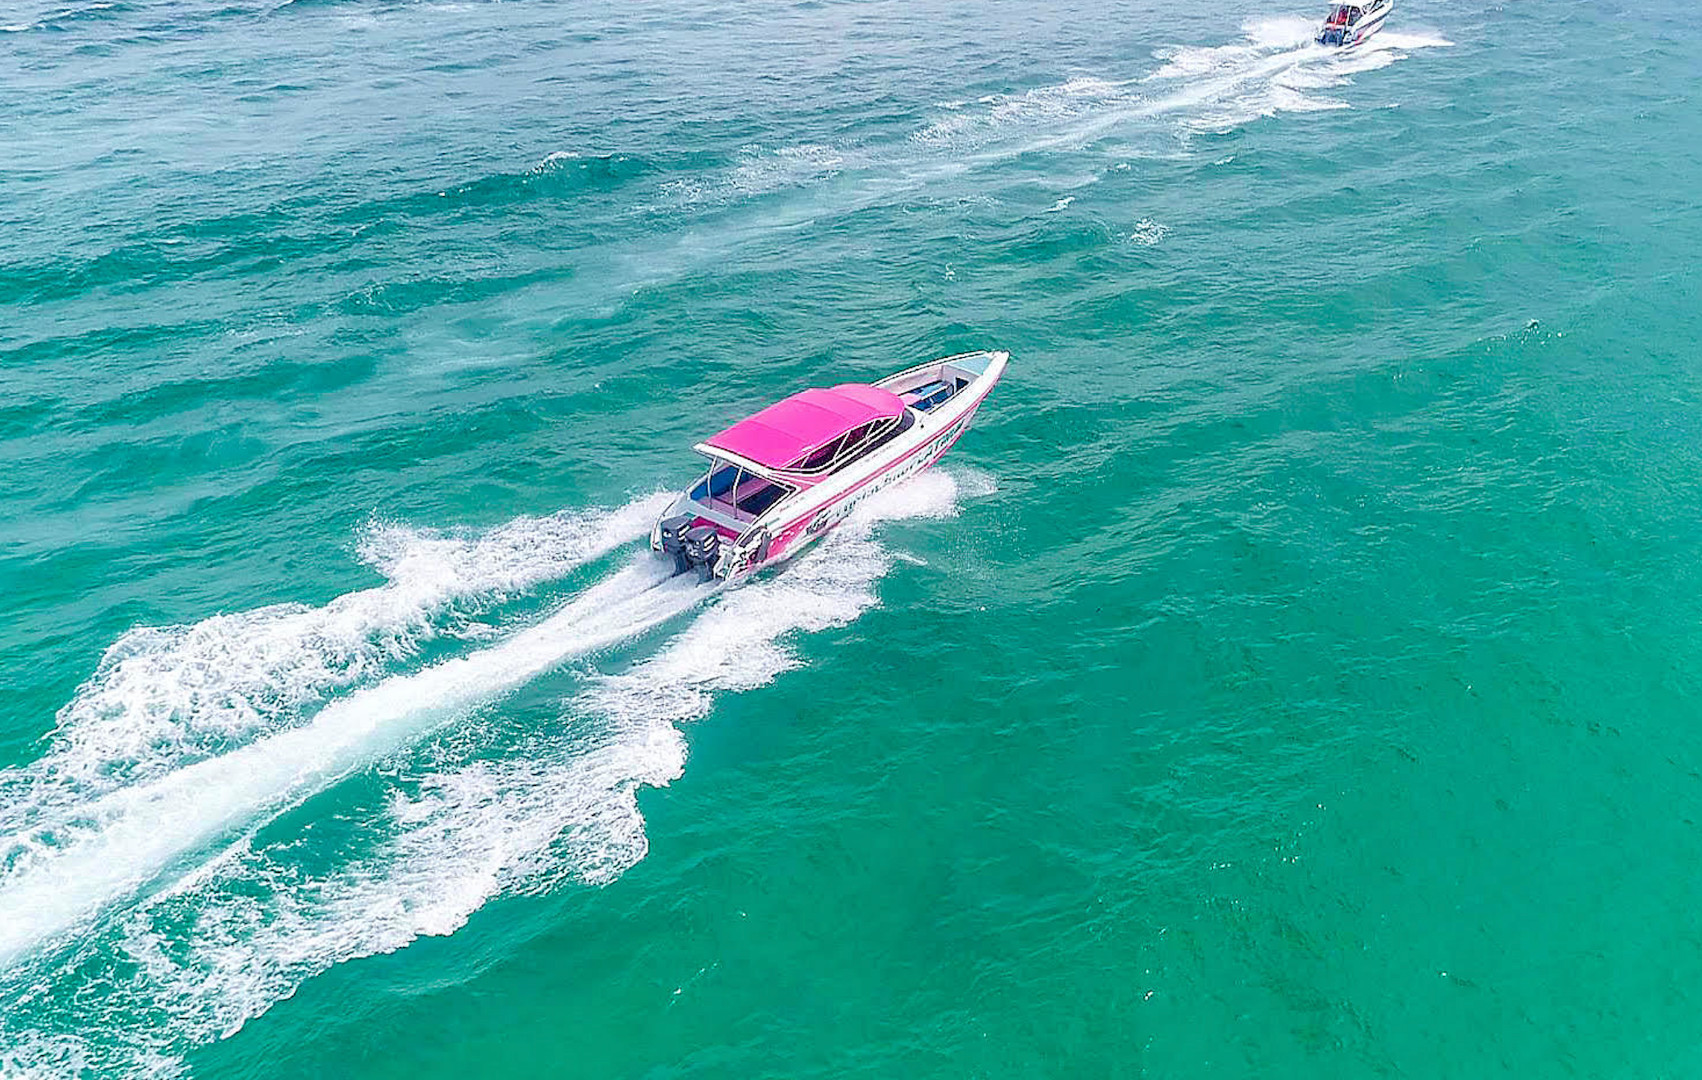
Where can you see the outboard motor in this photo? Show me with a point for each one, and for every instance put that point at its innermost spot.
(693, 547)
(702, 546)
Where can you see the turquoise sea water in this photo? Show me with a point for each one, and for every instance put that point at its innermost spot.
(1293, 673)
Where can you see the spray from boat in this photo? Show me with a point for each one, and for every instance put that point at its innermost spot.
(1348, 25)
(123, 841)
(183, 905)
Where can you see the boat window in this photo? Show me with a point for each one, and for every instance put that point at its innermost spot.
(833, 454)
(758, 495)
(853, 444)
(864, 439)
(717, 482)
(882, 434)
(854, 440)
(822, 456)
(738, 493)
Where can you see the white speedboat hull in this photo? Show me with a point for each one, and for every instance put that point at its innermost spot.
(1358, 33)
(795, 521)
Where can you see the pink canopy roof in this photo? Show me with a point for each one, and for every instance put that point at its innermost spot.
(787, 430)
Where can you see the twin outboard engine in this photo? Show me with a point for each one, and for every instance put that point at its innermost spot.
(693, 547)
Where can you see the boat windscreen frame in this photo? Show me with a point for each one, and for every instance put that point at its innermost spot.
(843, 453)
(713, 500)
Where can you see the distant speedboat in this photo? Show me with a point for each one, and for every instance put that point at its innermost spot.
(786, 475)
(1350, 24)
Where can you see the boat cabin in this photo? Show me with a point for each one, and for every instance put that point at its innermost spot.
(808, 437)
(1343, 16)
(794, 444)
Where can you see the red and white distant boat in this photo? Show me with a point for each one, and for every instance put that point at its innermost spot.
(783, 477)
(1350, 24)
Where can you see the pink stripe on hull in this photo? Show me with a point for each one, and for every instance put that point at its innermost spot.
(784, 539)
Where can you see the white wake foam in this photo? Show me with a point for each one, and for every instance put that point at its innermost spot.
(241, 929)
(166, 699)
(164, 695)
(1149, 233)
(1273, 68)
(1085, 124)
(129, 837)
(1270, 71)
(1199, 88)
(1043, 106)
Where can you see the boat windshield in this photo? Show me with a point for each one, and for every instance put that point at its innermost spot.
(1343, 14)
(737, 492)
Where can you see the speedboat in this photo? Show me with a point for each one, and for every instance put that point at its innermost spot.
(1350, 24)
(783, 477)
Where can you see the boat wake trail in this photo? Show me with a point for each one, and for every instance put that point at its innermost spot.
(1275, 68)
(185, 898)
(165, 696)
(999, 146)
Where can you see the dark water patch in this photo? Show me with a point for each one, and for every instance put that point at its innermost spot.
(240, 246)
(161, 461)
(20, 418)
(558, 176)
(1045, 241)
(298, 230)
(70, 18)
(278, 380)
(92, 345)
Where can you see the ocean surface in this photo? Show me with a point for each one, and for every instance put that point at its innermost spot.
(1294, 673)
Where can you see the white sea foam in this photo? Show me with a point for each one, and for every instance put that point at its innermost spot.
(1198, 88)
(1409, 39)
(1272, 68)
(126, 839)
(1148, 232)
(164, 699)
(43, 1057)
(162, 696)
(1276, 68)
(553, 159)
(763, 171)
(235, 930)
(1039, 107)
